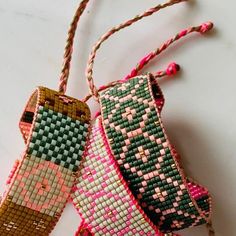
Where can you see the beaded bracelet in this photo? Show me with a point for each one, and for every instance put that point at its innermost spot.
(193, 206)
(132, 123)
(102, 196)
(40, 183)
(55, 128)
(198, 193)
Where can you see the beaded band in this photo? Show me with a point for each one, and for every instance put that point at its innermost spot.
(55, 129)
(132, 123)
(102, 196)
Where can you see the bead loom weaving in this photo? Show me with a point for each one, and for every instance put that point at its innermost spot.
(119, 169)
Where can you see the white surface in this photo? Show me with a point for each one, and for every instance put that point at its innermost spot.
(200, 107)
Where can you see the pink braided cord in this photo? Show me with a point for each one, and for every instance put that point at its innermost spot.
(172, 69)
(203, 28)
(89, 71)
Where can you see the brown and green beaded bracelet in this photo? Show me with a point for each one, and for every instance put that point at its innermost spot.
(55, 129)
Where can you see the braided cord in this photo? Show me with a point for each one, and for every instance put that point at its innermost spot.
(203, 28)
(89, 71)
(69, 47)
(174, 67)
(171, 69)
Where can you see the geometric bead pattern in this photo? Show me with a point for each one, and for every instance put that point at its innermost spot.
(42, 186)
(202, 197)
(101, 195)
(55, 138)
(147, 160)
(55, 129)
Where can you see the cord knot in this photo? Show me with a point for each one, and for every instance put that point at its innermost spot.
(172, 68)
(205, 27)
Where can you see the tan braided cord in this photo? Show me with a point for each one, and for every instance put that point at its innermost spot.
(70, 43)
(89, 71)
(69, 46)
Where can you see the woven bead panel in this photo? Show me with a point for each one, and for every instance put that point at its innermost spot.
(42, 186)
(55, 128)
(102, 197)
(148, 162)
(55, 138)
(18, 220)
(202, 197)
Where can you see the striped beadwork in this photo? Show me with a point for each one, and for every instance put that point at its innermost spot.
(132, 123)
(101, 195)
(55, 129)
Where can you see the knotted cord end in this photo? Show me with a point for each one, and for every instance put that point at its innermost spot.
(172, 69)
(205, 27)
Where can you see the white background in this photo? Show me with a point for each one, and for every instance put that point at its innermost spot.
(199, 113)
